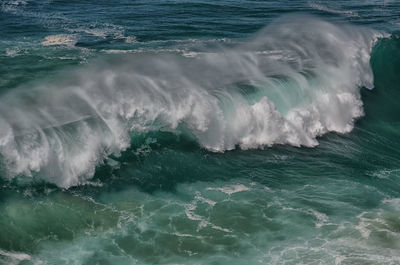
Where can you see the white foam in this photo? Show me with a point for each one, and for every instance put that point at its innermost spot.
(17, 2)
(321, 218)
(15, 257)
(200, 198)
(130, 39)
(114, 51)
(231, 189)
(10, 6)
(60, 39)
(189, 211)
(12, 52)
(320, 7)
(384, 173)
(104, 30)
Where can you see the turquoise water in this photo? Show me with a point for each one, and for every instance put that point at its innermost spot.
(199, 132)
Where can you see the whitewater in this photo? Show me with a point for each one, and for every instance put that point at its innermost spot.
(284, 85)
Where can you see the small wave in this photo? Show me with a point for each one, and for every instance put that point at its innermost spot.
(60, 39)
(320, 7)
(102, 30)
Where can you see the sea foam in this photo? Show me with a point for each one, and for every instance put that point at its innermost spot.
(60, 39)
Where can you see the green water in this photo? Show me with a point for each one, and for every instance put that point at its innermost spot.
(181, 137)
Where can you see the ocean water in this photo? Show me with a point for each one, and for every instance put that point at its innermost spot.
(199, 132)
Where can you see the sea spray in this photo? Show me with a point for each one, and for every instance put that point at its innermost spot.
(298, 78)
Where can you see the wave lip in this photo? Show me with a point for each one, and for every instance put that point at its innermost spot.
(286, 85)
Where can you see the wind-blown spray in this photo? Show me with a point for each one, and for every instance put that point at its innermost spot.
(290, 83)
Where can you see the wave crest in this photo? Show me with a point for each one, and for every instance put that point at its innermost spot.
(295, 80)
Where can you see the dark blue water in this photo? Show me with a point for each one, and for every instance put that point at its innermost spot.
(199, 132)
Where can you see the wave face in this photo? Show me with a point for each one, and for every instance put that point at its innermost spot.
(295, 80)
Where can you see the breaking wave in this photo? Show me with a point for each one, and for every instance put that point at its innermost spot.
(295, 80)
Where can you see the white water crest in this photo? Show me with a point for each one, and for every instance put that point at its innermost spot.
(296, 79)
(60, 39)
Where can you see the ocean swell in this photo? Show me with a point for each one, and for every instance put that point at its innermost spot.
(296, 79)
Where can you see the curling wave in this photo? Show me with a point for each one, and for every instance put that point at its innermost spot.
(296, 79)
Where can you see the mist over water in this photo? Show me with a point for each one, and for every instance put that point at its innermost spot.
(199, 132)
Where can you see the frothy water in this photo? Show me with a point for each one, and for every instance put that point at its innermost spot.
(61, 39)
(202, 223)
